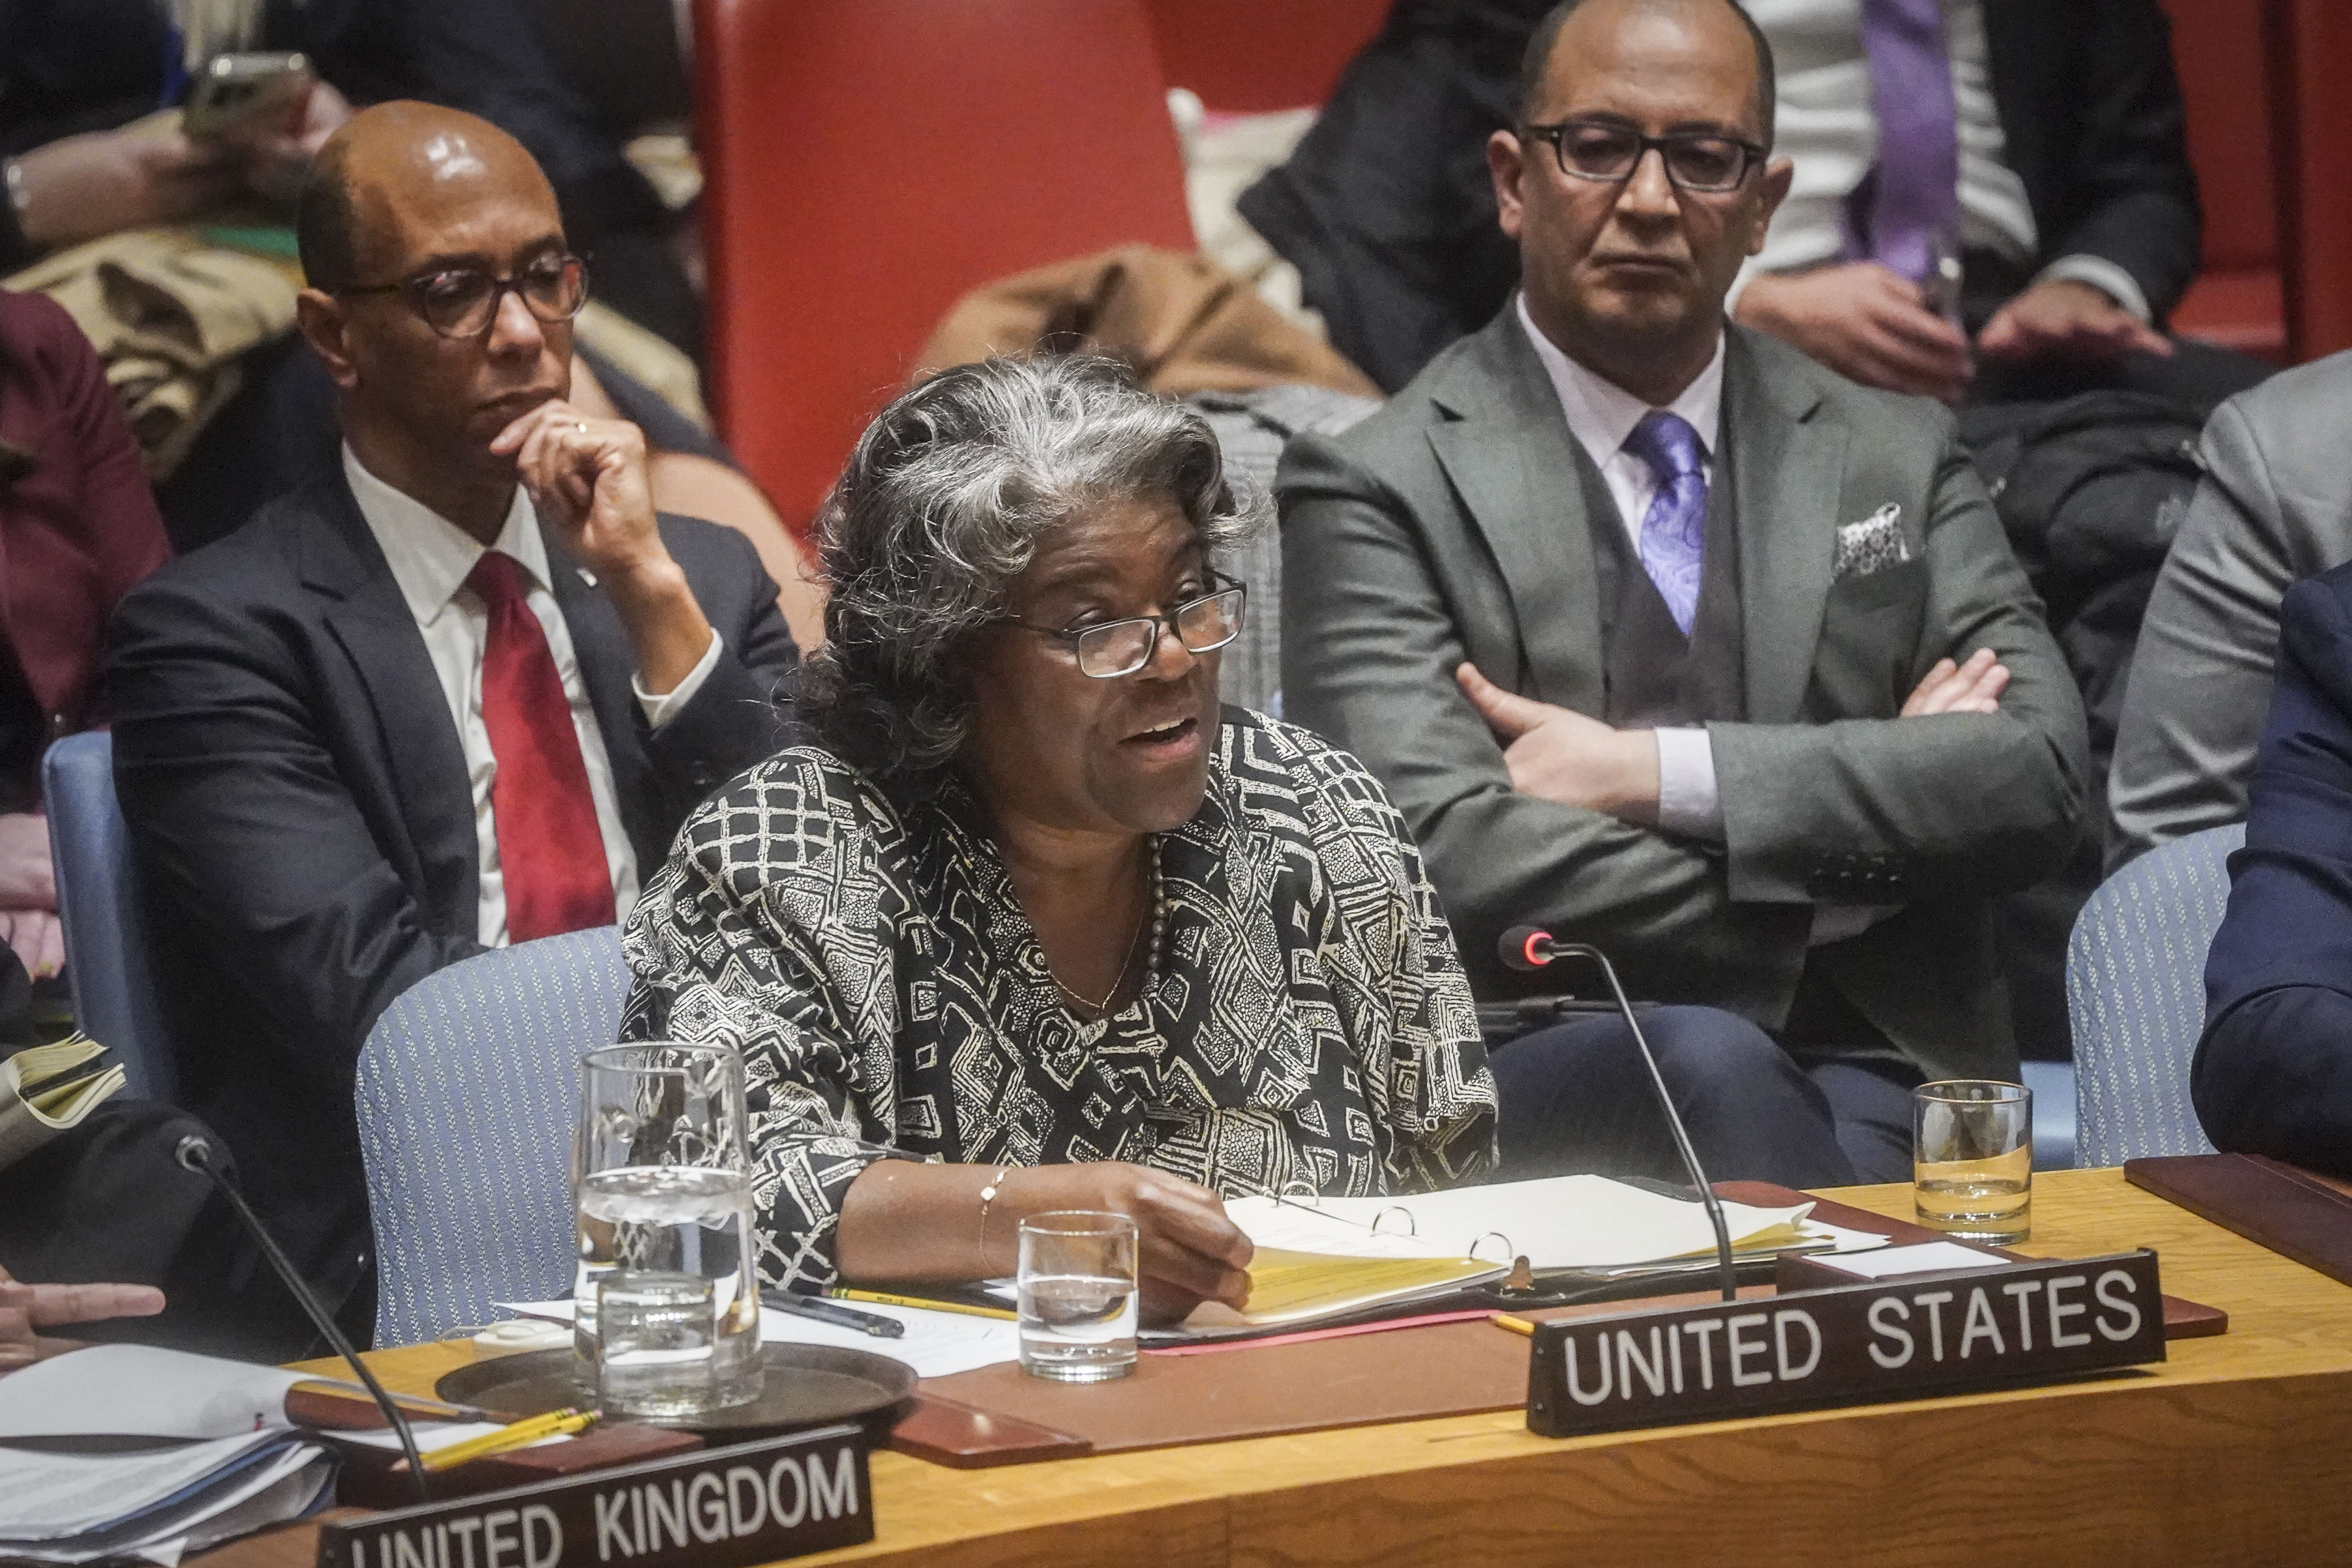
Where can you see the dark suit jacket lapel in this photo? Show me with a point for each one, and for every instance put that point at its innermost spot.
(1788, 458)
(608, 666)
(372, 625)
(1510, 458)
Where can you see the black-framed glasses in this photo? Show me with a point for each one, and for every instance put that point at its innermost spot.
(1605, 151)
(462, 302)
(1114, 649)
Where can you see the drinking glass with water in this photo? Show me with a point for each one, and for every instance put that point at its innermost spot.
(1077, 1295)
(1972, 1159)
(664, 1193)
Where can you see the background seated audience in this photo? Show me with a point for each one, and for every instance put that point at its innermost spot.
(1662, 635)
(2042, 148)
(1030, 907)
(2040, 145)
(2273, 1071)
(89, 158)
(455, 696)
(2275, 506)
(77, 528)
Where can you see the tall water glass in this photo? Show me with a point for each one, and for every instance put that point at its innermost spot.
(663, 1186)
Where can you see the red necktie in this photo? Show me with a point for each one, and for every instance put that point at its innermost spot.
(550, 851)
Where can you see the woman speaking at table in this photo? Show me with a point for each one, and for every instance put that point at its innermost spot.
(1030, 925)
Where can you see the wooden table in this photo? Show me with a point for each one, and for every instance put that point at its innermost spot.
(2237, 1450)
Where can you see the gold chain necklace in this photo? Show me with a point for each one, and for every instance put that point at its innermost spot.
(1150, 917)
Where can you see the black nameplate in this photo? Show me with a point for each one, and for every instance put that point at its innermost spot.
(721, 1508)
(1904, 1338)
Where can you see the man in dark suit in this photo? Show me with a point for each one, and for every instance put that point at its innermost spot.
(461, 694)
(1993, 199)
(2070, 149)
(2273, 1072)
(1661, 634)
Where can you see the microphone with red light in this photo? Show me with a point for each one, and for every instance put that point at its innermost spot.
(1529, 949)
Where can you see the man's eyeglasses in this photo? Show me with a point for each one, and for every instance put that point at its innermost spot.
(1599, 150)
(1115, 649)
(462, 302)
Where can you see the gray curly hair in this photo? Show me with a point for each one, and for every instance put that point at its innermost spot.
(942, 505)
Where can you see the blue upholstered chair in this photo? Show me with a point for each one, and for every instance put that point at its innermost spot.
(2135, 992)
(97, 900)
(467, 1089)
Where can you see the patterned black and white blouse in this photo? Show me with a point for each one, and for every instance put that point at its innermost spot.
(1309, 1020)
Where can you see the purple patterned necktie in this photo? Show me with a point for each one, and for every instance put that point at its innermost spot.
(1674, 531)
(1913, 197)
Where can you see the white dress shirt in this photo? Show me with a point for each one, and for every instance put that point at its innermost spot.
(430, 559)
(1601, 415)
(1828, 126)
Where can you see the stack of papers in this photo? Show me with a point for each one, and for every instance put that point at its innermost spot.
(1562, 1223)
(154, 1503)
(224, 1461)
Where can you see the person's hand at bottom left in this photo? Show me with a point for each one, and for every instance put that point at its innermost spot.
(26, 1310)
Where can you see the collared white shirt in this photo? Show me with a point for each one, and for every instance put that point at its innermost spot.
(1601, 415)
(430, 559)
(1828, 127)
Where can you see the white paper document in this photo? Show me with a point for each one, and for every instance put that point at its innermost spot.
(140, 1391)
(935, 1344)
(1561, 1222)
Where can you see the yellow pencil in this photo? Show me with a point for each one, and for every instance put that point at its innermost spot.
(888, 1300)
(1516, 1325)
(530, 1429)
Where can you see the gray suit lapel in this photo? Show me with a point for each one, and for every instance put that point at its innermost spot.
(1510, 458)
(1787, 466)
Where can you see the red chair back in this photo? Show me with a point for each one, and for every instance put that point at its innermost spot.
(868, 162)
(2223, 50)
(1247, 57)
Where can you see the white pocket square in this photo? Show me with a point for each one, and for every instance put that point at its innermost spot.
(1873, 544)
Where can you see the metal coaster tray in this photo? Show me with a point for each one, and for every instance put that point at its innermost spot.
(806, 1385)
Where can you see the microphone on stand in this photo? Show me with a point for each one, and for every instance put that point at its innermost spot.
(196, 1154)
(1529, 949)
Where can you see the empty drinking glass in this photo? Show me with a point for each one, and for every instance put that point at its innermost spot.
(664, 1190)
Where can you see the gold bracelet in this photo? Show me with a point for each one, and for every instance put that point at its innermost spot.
(987, 1196)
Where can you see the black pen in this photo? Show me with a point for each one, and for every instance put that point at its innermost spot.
(840, 1317)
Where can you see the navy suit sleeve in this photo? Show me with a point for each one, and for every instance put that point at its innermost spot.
(2274, 1073)
(741, 714)
(248, 838)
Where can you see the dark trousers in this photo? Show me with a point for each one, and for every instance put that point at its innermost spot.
(1871, 1098)
(1575, 1097)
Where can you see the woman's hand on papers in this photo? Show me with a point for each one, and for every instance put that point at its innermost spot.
(26, 1308)
(908, 1222)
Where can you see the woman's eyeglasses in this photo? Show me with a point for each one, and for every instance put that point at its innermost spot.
(462, 302)
(1115, 649)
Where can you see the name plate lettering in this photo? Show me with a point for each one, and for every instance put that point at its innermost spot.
(1903, 1338)
(721, 1508)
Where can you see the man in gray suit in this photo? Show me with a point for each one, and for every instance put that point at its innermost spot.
(2274, 507)
(1664, 636)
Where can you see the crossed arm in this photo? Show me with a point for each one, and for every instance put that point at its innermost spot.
(1571, 758)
